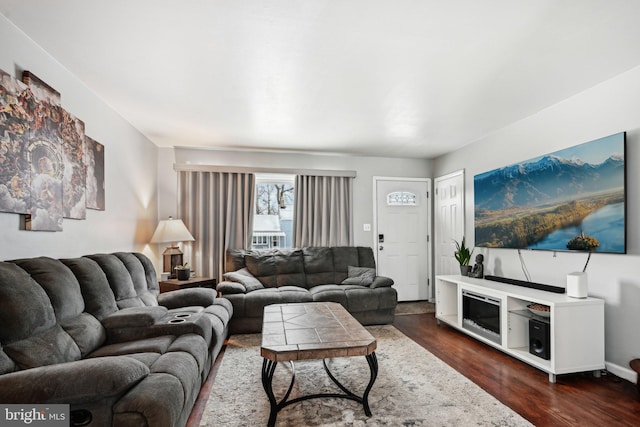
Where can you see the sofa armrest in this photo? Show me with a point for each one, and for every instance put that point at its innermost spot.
(134, 317)
(73, 383)
(381, 282)
(202, 297)
(226, 288)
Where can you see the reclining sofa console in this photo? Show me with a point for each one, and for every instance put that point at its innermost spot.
(94, 332)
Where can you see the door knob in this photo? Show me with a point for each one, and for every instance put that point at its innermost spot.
(381, 247)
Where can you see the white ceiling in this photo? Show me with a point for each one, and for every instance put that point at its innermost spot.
(402, 78)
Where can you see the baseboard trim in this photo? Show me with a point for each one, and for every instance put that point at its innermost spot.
(622, 372)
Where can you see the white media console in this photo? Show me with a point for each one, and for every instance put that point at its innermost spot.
(575, 328)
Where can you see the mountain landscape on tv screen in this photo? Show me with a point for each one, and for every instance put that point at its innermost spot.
(543, 203)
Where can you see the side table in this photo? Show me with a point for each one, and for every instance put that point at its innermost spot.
(193, 282)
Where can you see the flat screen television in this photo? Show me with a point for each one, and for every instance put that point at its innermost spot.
(551, 202)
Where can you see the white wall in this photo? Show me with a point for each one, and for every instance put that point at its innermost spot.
(608, 108)
(366, 168)
(130, 168)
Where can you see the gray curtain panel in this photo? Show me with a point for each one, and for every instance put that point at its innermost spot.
(217, 207)
(323, 211)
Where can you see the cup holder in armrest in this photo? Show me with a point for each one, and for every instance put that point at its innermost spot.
(178, 320)
(81, 417)
(182, 315)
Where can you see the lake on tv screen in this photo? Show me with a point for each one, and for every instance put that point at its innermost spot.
(605, 224)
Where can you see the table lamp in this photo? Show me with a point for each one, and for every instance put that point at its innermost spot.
(171, 231)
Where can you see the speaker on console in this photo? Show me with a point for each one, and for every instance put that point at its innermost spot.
(539, 339)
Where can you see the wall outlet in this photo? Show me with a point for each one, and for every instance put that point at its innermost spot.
(366, 227)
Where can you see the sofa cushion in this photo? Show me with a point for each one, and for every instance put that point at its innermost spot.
(343, 257)
(98, 296)
(30, 334)
(147, 292)
(149, 271)
(365, 257)
(247, 279)
(76, 383)
(25, 308)
(382, 282)
(6, 363)
(318, 266)
(262, 265)
(119, 280)
(234, 259)
(362, 276)
(149, 345)
(194, 345)
(256, 301)
(86, 331)
(48, 347)
(329, 293)
(59, 283)
(362, 299)
(158, 400)
(64, 292)
(229, 288)
(277, 267)
(127, 279)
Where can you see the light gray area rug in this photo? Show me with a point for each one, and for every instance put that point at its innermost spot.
(413, 388)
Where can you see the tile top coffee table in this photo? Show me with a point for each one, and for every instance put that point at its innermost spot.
(317, 330)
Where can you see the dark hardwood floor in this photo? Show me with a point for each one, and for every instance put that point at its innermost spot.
(574, 400)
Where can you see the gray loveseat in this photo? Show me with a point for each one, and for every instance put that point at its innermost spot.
(95, 333)
(346, 275)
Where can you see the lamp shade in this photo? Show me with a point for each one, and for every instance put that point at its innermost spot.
(171, 230)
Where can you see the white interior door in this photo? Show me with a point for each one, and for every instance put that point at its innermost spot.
(448, 220)
(402, 228)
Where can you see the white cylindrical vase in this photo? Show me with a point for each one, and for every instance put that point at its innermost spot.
(577, 286)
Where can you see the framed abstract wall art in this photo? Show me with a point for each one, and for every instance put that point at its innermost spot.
(43, 169)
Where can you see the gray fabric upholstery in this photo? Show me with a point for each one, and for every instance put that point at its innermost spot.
(91, 332)
(119, 280)
(73, 383)
(276, 268)
(135, 317)
(305, 275)
(188, 297)
(124, 288)
(25, 308)
(245, 278)
(227, 288)
(318, 265)
(360, 276)
(59, 283)
(86, 331)
(98, 297)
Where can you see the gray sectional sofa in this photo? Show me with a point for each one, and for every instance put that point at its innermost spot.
(95, 333)
(347, 275)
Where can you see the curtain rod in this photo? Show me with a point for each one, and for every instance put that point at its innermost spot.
(187, 167)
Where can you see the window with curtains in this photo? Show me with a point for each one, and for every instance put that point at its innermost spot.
(218, 206)
(323, 214)
(273, 217)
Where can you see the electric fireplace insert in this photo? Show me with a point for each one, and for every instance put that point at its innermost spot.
(481, 315)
